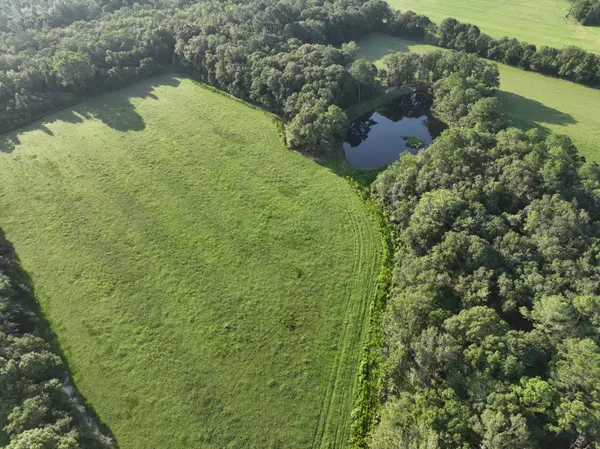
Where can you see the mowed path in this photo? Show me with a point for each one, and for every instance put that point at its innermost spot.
(207, 285)
(529, 99)
(539, 22)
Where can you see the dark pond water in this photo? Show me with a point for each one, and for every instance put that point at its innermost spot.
(376, 139)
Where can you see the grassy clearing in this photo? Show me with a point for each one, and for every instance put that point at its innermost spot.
(543, 22)
(530, 99)
(208, 286)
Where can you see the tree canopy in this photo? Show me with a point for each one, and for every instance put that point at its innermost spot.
(492, 330)
(287, 56)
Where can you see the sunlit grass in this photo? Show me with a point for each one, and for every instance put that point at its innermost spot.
(207, 285)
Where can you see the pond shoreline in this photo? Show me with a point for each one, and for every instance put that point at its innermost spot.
(377, 138)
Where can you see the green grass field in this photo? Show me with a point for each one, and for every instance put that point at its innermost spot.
(543, 22)
(207, 286)
(530, 99)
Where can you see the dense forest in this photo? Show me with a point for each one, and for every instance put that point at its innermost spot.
(463, 86)
(19, 15)
(493, 326)
(286, 56)
(276, 54)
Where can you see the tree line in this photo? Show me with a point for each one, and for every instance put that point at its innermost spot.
(36, 410)
(571, 63)
(47, 69)
(20, 15)
(463, 86)
(277, 54)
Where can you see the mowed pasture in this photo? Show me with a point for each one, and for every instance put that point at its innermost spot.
(207, 286)
(529, 99)
(543, 22)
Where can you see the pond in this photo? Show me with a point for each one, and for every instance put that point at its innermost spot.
(375, 139)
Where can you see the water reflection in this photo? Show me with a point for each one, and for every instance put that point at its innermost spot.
(376, 139)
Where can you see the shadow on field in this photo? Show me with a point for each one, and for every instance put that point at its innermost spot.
(114, 109)
(526, 113)
(376, 46)
(26, 294)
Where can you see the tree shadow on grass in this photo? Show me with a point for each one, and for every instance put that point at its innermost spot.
(526, 113)
(376, 46)
(338, 164)
(114, 109)
(88, 420)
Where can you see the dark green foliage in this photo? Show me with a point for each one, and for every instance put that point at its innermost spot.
(407, 24)
(35, 410)
(290, 68)
(46, 69)
(486, 115)
(20, 15)
(493, 330)
(317, 129)
(454, 96)
(461, 84)
(407, 68)
(56, 52)
(586, 11)
(276, 54)
(365, 73)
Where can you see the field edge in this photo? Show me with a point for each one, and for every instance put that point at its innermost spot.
(370, 376)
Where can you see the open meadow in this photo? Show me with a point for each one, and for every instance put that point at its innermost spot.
(544, 22)
(207, 286)
(529, 99)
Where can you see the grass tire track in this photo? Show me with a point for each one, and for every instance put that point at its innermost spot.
(348, 345)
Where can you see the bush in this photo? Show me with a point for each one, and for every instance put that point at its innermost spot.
(413, 142)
